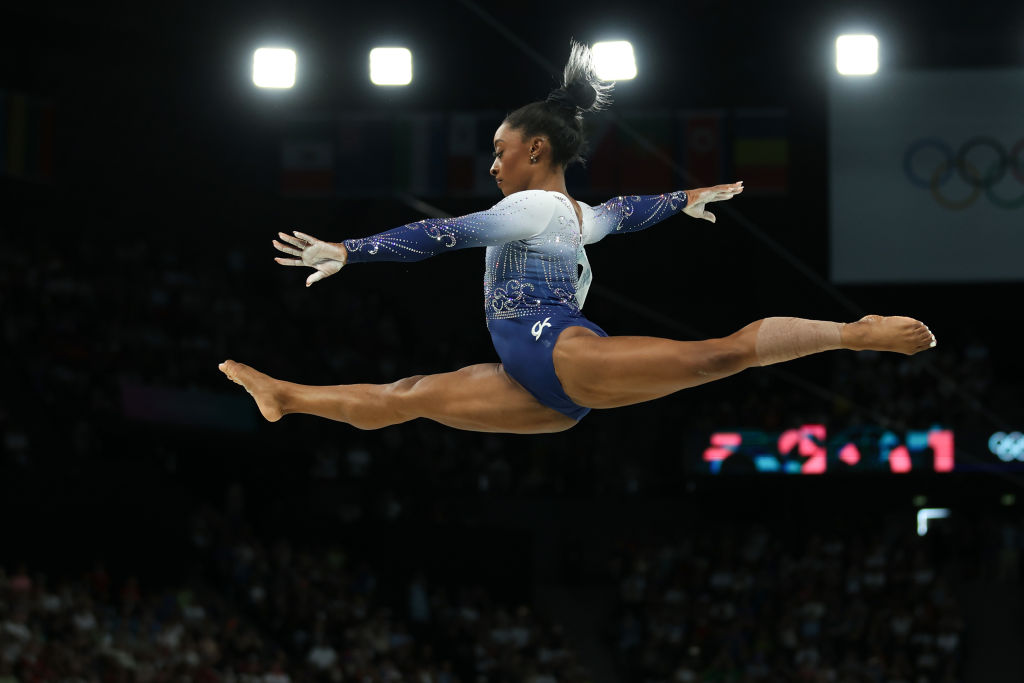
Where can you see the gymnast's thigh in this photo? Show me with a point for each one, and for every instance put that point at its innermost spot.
(609, 372)
(482, 398)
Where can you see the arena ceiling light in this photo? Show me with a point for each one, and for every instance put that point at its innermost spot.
(614, 61)
(857, 55)
(273, 67)
(390, 66)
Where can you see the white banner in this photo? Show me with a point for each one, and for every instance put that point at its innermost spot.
(927, 176)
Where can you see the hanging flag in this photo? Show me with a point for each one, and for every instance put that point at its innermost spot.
(308, 153)
(602, 173)
(761, 150)
(379, 155)
(633, 153)
(47, 137)
(703, 151)
(17, 134)
(483, 182)
(647, 152)
(461, 153)
(26, 137)
(307, 166)
(421, 162)
(373, 155)
(3, 132)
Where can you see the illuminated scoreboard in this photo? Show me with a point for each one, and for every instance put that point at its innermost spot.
(812, 449)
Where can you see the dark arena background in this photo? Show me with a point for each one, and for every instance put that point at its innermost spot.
(848, 517)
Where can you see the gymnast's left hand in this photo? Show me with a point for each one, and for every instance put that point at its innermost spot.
(698, 199)
(326, 258)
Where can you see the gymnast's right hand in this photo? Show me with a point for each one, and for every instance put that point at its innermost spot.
(327, 258)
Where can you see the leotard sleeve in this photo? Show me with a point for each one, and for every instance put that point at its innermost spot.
(517, 217)
(632, 213)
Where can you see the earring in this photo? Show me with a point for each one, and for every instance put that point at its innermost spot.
(533, 159)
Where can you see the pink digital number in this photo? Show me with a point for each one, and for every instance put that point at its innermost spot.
(941, 441)
(803, 440)
(723, 444)
(899, 460)
(850, 454)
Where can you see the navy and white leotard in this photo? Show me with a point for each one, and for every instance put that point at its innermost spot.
(533, 288)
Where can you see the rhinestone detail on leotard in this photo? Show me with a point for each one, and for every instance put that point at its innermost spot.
(534, 245)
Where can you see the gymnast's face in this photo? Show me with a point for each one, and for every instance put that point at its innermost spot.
(512, 168)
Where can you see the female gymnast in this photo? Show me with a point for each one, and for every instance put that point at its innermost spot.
(555, 364)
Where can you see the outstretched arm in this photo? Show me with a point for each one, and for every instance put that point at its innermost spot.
(636, 212)
(517, 217)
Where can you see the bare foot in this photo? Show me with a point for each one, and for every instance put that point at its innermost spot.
(262, 387)
(887, 333)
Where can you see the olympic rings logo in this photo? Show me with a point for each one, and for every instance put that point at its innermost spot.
(1007, 447)
(963, 165)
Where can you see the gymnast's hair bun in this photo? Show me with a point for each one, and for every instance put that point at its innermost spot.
(581, 89)
(560, 116)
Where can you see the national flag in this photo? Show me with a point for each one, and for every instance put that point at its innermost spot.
(646, 152)
(309, 156)
(307, 166)
(375, 155)
(602, 169)
(17, 134)
(703, 152)
(761, 150)
(632, 153)
(462, 153)
(26, 136)
(3, 132)
(421, 163)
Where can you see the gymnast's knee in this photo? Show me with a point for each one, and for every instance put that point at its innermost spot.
(406, 396)
(383, 405)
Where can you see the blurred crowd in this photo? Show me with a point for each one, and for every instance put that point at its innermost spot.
(265, 612)
(760, 605)
(726, 602)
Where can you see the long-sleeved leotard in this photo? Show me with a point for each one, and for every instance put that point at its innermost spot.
(534, 243)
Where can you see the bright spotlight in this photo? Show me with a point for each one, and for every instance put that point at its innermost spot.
(857, 55)
(273, 67)
(614, 60)
(390, 66)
